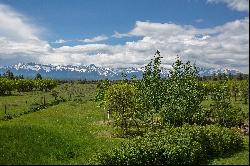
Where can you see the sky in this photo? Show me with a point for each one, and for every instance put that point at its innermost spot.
(125, 33)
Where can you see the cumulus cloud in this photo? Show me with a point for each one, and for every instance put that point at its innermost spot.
(221, 46)
(238, 5)
(19, 38)
(120, 35)
(95, 39)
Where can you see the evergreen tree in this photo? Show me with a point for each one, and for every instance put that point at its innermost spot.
(8, 74)
(38, 76)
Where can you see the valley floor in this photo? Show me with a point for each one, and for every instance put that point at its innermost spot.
(71, 132)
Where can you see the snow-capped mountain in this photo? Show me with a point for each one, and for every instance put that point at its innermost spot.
(211, 71)
(89, 72)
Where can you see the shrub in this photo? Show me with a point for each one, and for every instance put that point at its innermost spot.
(6, 86)
(190, 144)
(120, 102)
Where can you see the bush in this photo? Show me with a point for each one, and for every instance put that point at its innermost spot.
(190, 144)
(6, 86)
(120, 102)
(215, 140)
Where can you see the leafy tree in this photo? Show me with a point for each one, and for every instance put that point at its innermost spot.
(222, 111)
(184, 96)
(102, 87)
(120, 101)
(6, 86)
(151, 90)
(234, 89)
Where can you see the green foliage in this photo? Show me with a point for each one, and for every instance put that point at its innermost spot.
(151, 91)
(72, 132)
(7, 85)
(244, 90)
(221, 96)
(178, 99)
(45, 85)
(222, 111)
(55, 94)
(119, 101)
(184, 96)
(234, 89)
(189, 144)
(101, 89)
(24, 85)
(238, 90)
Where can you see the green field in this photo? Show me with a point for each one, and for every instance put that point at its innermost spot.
(71, 132)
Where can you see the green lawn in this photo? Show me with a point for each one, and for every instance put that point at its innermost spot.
(20, 102)
(69, 133)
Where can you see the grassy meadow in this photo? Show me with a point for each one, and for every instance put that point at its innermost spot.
(71, 132)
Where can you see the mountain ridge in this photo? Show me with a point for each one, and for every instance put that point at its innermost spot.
(91, 72)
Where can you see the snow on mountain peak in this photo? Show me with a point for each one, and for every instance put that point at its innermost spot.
(91, 71)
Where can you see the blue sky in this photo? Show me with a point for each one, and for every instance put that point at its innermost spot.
(124, 32)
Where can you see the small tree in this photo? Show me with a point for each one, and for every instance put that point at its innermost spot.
(184, 95)
(234, 89)
(222, 111)
(38, 76)
(151, 90)
(120, 102)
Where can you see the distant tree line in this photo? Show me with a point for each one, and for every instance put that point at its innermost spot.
(9, 75)
(224, 76)
(9, 82)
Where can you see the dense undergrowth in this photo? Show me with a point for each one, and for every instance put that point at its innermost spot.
(168, 115)
(189, 144)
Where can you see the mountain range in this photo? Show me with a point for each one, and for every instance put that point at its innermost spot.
(91, 72)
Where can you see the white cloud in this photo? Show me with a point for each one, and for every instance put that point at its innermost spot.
(221, 46)
(120, 35)
(95, 39)
(18, 38)
(238, 5)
